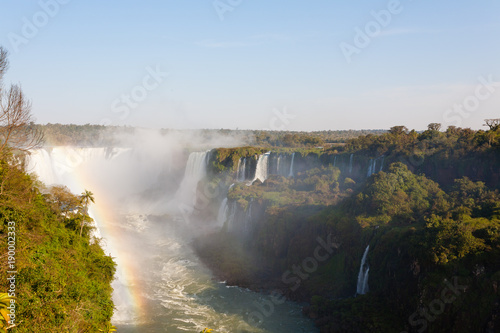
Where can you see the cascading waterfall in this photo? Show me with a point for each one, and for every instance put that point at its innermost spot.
(88, 168)
(223, 210)
(278, 163)
(196, 166)
(232, 216)
(350, 163)
(335, 161)
(262, 169)
(291, 173)
(156, 267)
(282, 167)
(370, 168)
(240, 175)
(248, 217)
(196, 169)
(364, 269)
(242, 169)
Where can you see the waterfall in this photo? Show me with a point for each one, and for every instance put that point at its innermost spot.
(371, 168)
(248, 217)
(261, 171)
(111, 174)
(364, 269)
(238, 170)
(242, 169)
(196, 169)
(223, 210)
(156, 266)
(278, 162)
(335, 161)
(232, 216)
(66, 165)
(350, 163)
(291, 165)
(365, 281)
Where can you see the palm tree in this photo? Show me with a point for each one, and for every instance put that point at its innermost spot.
(85, 199)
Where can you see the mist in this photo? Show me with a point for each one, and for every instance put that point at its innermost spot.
(146, 215)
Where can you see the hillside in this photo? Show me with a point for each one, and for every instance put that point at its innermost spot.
(58, 272)
(426, 204)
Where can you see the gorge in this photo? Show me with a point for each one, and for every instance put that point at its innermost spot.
(356, 237)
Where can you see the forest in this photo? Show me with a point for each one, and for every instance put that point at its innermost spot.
(423, 209)
(431, 219)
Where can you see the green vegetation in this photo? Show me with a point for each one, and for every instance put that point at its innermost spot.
(56, 275)
(225, 160)
(63, 279)
(309, 139)
(453, 143)
(431, 218)
(441, 156)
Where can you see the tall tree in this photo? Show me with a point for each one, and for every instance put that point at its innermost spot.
(434, 126)
(493, 124)
(17, 130)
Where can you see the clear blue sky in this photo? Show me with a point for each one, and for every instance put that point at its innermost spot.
(263, 58)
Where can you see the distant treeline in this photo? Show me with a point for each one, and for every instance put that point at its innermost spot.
(98, 135)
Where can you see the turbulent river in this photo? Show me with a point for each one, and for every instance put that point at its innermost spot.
(160, 285)
(181, 295)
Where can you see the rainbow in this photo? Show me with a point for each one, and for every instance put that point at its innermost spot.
(103, 212)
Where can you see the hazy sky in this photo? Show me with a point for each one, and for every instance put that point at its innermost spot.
(294, 65)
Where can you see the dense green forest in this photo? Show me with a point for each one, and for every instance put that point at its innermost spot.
(62, 280)
(431, 218)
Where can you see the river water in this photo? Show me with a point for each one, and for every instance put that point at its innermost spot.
(160, 285)
(181, 295)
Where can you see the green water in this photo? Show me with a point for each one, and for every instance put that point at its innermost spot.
(181, 295)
